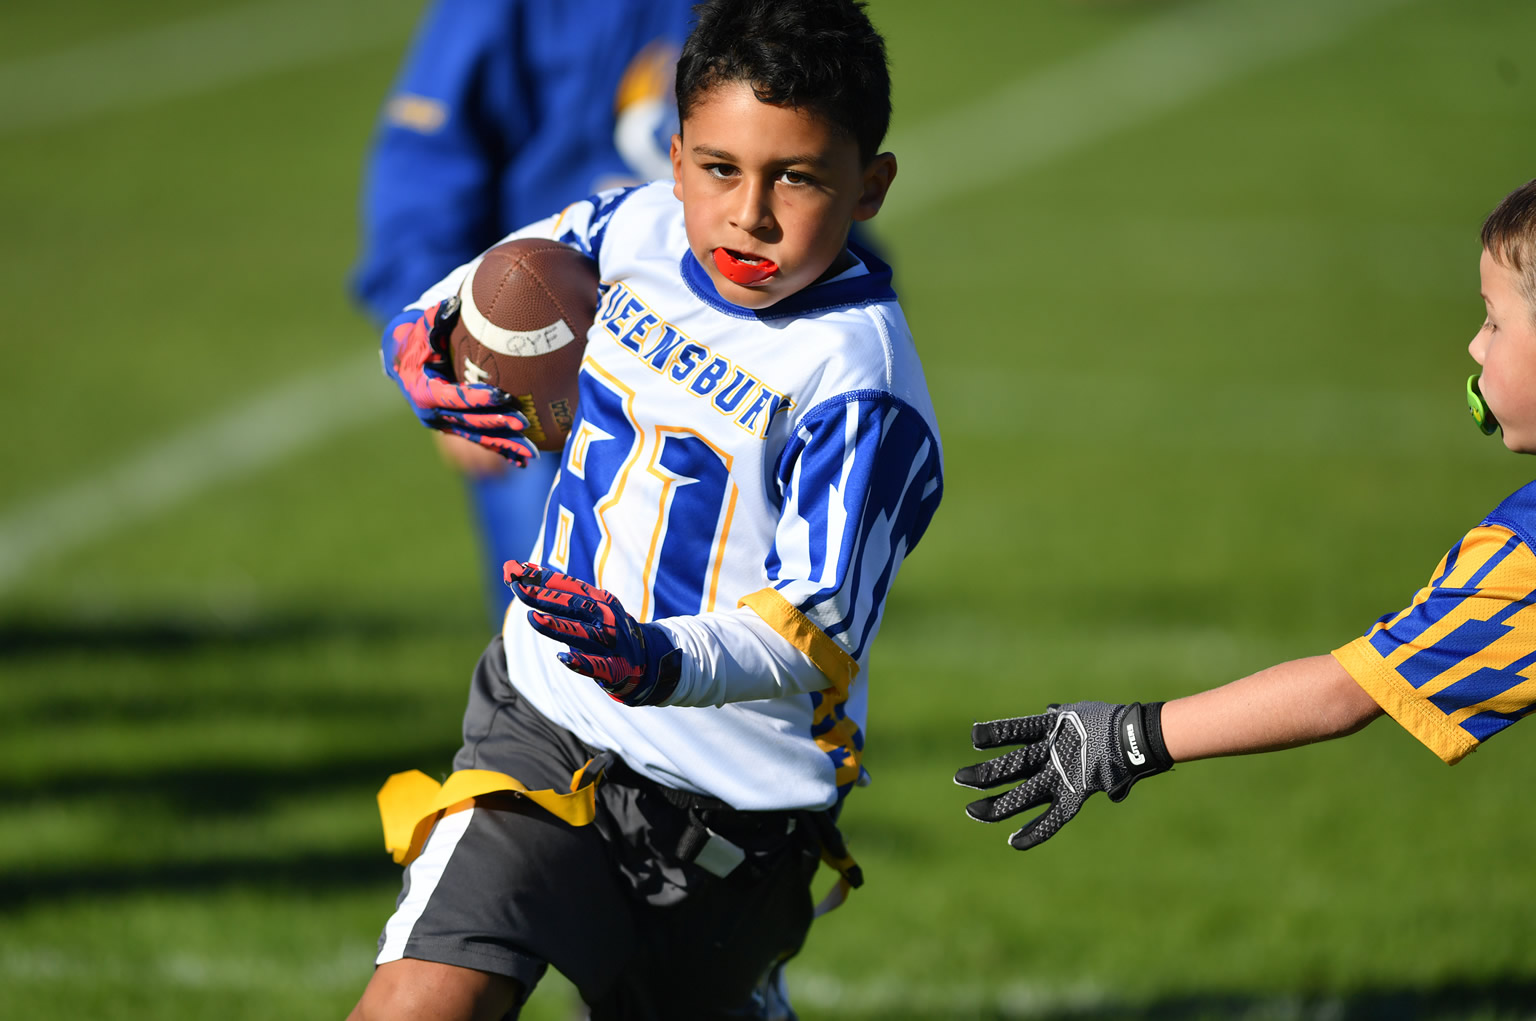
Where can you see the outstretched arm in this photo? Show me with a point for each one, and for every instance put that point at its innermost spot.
(1445, 667)
(1290, 704)
(1071, 752)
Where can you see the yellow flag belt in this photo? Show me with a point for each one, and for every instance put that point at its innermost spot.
(411, 803)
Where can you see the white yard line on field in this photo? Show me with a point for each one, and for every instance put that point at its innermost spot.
(189, 57)
(264, 430)
(1167, 61)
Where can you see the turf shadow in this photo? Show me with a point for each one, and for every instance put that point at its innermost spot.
(1505, 997)
(226, 789)
(312, 872)
(178, 633)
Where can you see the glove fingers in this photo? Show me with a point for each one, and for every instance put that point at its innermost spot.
(531, 573)
(579, 635)
(434, 390)
(516, 451)
(609, 671)
(506, 424)
(514, 571)
(528, 576)
(571, 600)
(566, 604)
(1044, 826)
(601, 599)
(1013, 731)
(1033, 793)
(1010, 768)
(559, 604)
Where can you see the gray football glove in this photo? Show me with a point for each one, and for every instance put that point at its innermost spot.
(1070, 752)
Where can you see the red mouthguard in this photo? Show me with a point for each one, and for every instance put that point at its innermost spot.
(736, 271)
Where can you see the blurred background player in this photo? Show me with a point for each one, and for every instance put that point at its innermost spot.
(1451, 667)
(504, 110)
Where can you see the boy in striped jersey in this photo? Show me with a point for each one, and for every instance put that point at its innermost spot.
(754, 455)
(1450, 667)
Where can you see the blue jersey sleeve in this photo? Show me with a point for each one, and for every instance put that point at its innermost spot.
(455, 118)
(860, 482)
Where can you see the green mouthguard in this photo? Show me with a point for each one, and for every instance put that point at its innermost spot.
(1480, 413)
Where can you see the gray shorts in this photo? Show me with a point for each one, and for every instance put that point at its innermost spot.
(641, 930)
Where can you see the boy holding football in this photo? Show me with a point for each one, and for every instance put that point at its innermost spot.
(657, 745)
(1449, 668)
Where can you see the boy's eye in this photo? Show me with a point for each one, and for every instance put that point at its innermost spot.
(794, 177)
(719, 170)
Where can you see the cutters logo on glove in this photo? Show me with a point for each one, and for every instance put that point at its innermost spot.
(1132, 749)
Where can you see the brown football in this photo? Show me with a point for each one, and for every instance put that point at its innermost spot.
(523, 319)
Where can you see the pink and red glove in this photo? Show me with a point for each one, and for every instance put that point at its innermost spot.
(415, 355)
(635, 663)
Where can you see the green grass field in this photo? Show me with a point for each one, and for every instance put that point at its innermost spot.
(1193, 284)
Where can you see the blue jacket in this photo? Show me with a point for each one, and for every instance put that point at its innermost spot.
(506, 111)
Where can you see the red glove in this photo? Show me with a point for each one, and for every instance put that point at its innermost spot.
(635, 663)
(415, 355)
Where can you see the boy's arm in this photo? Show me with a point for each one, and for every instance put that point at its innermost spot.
(1074, 751)
(1450, 667)
(1286, 705)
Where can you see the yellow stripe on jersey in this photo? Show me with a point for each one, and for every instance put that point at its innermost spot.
(1398, 699)
(834, 733)
(1451, 667)
(840, 739)
(830, 658)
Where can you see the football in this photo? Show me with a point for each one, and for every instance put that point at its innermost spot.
(523, 319)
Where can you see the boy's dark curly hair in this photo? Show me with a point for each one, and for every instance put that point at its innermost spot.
(819, 55)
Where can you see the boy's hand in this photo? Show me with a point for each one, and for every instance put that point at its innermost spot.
(635, 663)
(415, 355)
(1069, 753)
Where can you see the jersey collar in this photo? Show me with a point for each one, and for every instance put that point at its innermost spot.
(873, 285)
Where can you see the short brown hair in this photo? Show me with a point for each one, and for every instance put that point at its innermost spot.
(1509, 235)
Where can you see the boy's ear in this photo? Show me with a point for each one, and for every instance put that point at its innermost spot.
(677, 166)
(878, 176)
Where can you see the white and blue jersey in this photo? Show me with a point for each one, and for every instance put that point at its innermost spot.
(750, 480)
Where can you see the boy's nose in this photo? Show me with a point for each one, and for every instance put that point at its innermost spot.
(1477, 346)
(752, 212)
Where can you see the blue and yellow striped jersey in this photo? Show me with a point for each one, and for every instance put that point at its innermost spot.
(1451, 668)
